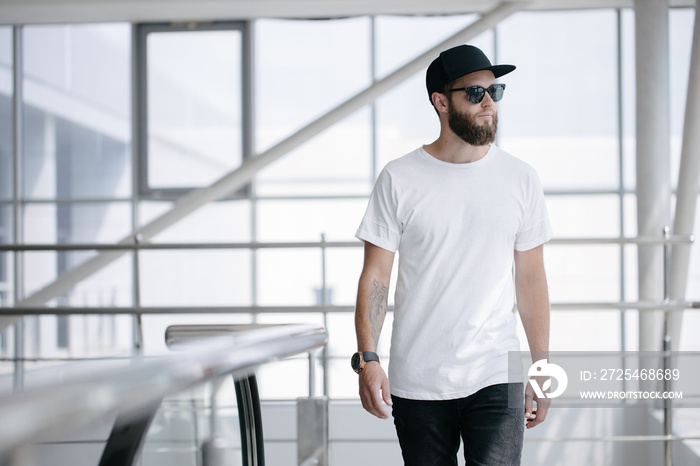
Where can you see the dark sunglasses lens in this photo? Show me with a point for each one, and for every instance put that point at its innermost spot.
(475, 94)
(496, 92)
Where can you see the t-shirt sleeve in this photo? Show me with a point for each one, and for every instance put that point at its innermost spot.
(535, 228)
(380, 225)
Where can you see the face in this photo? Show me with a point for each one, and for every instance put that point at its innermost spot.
(475, 123)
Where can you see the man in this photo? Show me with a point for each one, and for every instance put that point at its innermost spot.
(461, 213)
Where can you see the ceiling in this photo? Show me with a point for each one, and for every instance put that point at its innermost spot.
(77, 11)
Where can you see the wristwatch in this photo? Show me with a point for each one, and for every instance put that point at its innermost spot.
(361, 358)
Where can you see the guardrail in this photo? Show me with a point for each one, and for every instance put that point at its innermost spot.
(667, 306)
(666, 240)
(134, 392)
(137, 245)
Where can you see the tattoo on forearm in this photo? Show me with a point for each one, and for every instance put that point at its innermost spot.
(378, 303)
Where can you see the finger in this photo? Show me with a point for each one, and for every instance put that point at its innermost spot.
(386, 394)
(534, 421)
(371, 399)
(378, 410)
(540, 415)
(528, 406)
(370, 406)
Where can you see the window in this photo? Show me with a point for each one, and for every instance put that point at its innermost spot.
(560, 113)
(190, 94)
(76, 169)
(303, 70)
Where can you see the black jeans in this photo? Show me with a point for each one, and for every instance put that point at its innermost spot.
(429, 431)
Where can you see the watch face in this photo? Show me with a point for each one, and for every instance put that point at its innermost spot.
(355, 361)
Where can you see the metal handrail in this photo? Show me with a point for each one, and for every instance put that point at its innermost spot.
(160, 246)
(138, 245)
(644, 306)
(616, 438)
(78, 401)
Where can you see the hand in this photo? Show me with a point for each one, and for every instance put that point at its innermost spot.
(373, 380)
(537, 416)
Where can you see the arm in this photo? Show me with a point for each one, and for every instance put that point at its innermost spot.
(372, 297)
(533, 305)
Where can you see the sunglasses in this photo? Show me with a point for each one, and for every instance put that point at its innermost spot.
(476, 94)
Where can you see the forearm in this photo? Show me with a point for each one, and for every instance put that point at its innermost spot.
(370, 310)
(372, 296)
(533, 305)
(533, 301)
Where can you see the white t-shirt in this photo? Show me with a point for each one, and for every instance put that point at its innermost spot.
(455, 227)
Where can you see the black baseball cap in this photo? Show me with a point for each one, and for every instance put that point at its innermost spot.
(456, 62)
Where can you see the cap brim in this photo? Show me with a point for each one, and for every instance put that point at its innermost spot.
(499, 70)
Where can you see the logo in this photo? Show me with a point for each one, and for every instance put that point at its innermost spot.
(542, 368)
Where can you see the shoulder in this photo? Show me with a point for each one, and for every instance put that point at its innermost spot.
(405, 162)
(508, 159)
(402, 168)
(514, 165)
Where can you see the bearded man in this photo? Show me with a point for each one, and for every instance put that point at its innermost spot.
(462, 214)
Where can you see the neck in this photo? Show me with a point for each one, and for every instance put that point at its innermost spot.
(452, 149)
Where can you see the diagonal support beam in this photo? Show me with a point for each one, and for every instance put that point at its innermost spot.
(653, 166)
(251, 166)
(688, 186)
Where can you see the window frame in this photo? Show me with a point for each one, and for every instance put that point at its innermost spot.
(140, 102)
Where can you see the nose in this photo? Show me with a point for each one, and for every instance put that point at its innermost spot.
(488, 101)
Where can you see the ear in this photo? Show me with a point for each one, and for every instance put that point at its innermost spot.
(439, 101)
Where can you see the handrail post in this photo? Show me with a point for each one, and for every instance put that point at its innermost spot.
(668, 412)
(312, 431)
(312, 373)
(209, 446)
(137, 323)
(324, 303)
(312, 421)
(18, 380)
(217, 449)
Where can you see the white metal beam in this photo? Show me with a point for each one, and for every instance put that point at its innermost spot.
(688, 186)
(251, 166)
(653, 156)
(80, 11)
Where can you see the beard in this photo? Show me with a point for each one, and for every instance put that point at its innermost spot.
(471, 132)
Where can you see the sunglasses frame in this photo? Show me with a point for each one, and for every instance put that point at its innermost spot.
(473, 96)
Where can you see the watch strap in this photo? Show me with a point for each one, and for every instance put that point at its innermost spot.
(368, 356)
